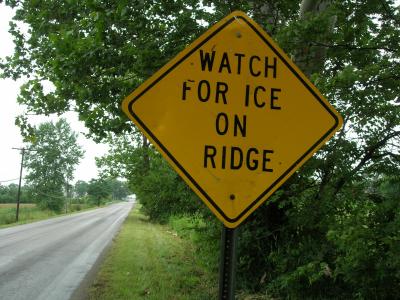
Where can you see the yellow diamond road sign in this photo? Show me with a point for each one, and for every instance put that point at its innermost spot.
(234, 116)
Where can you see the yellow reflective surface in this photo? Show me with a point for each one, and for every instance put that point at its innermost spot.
(234, 116)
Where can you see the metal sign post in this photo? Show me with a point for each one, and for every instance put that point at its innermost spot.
(227, 268)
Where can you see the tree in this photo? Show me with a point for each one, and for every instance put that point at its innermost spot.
(8, 194)
(119, 189)
(81, 188)
(160, 190)
(51, 162)
(99, 190)
(349, 49)
(83, 49)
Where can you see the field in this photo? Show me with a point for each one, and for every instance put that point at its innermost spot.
(29, 212)
(14, 205)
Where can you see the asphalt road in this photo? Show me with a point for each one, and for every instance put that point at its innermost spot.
(49, 259)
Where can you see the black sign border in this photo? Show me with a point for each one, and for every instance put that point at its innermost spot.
(276, 182)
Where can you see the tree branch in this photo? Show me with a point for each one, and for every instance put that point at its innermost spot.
(351, 47)
(387, 153)
(389, 12)
(368, 155)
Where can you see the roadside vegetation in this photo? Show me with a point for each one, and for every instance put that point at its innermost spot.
(150, 261)
(332, 230)
(27, 212)
(83, 195)
(50, 160)
(30, 212)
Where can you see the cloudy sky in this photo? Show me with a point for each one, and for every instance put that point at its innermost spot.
(9, 133)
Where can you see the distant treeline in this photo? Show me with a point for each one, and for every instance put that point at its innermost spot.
(96, 190)
(8, 193)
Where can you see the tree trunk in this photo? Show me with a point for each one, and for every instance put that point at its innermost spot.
(311, 58)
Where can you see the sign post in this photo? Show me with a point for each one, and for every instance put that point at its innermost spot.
(227, 265)
(234, 116)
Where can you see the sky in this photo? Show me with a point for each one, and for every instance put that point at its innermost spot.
(9, 133)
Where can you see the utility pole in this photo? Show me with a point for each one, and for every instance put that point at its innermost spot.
(66, 200)
(20, 178)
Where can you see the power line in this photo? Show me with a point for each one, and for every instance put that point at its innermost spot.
(10, 180)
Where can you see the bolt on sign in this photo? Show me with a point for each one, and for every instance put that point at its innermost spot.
(234, 116)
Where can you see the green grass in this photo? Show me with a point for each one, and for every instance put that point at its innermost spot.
(13, 205)
(195, 229)
(149, 261)
(29, 212)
